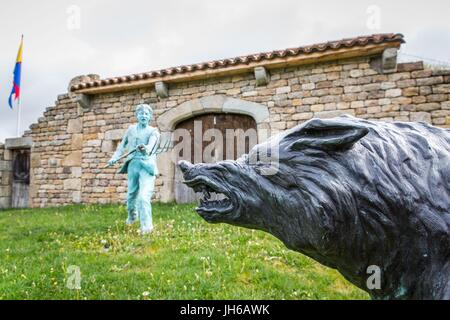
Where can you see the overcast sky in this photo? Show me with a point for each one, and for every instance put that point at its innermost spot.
(113, 38)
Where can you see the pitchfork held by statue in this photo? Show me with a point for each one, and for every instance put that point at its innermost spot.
(157, 149)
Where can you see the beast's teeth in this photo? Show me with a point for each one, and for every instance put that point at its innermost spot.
(220, 196)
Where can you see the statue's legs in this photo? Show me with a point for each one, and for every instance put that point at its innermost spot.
(140, 190)
(133, 191)
(146, 188)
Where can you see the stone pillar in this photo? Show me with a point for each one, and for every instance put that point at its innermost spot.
(5, 177)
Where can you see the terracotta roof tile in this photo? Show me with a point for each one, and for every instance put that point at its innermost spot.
(224, 63)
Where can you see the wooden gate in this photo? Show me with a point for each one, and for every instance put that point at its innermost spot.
(238, 133)
(21, 178)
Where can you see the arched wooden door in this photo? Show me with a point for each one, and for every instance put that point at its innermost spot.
(237, 132)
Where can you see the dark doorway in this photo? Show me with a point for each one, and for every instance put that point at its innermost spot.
(21, 178)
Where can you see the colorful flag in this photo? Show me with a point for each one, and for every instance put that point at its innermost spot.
(17, 71)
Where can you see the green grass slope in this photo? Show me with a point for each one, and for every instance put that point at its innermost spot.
(185, 258)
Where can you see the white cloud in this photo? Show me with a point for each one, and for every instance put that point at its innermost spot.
(118, 38)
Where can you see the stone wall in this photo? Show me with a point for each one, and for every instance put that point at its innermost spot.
(71, 143)
(56, 155)
(5, 177)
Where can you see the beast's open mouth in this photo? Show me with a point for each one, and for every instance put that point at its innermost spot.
(214, 199)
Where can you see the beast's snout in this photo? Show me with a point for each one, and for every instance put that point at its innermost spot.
(185, 166)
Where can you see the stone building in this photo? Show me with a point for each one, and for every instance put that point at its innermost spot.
(269, 91)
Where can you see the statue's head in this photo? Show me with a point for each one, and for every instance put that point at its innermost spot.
(144, 113)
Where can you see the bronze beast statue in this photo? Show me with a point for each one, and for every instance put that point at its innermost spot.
(349, 193)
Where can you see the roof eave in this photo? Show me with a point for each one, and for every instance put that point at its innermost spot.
(302, 59)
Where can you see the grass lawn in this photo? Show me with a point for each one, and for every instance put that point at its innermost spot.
(185, 258)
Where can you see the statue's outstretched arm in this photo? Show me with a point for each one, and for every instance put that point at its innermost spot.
(152, 144)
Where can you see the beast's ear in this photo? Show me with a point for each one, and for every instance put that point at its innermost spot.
(329, 134)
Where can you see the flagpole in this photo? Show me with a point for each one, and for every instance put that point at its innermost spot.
(19, 114)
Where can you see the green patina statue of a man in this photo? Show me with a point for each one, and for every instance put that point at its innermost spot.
(140, 166)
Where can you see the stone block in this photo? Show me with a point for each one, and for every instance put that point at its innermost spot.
(52, 163)
(281, 90)
(213, 103)
(264, 131)
(419, 99)
(318, 77)
(425, 90)
(77, 141)
(420, 117)
(72, 184)
(422, 74)
(317, 107)
(334, 113)
(75, 125)
(74, 159)
(410, 66)
(76, 197)
(108, 146)
(94, 143)
(19, 143)
(409, 92)
(35, 160)
(6, 178)
(437, 97)
(343, 105)
(7, 155)
(372, 110)
(308, 86)
(116, 134)
(356, 104)
(430, 81)
(445, 105)
(302, 116)
(372, 87)
(261, 76)
(281, 125)
(428, 106)
(84, 101)
(392, 93)
(389, 60)
(5, 191)
(312, 100)
(257, 111)
(162, 89)
(442, 89)
(5, 165)
(387, 85)
(406, 83)
(5, 202)
(76, 172)
(356, 73)
(252, 93)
